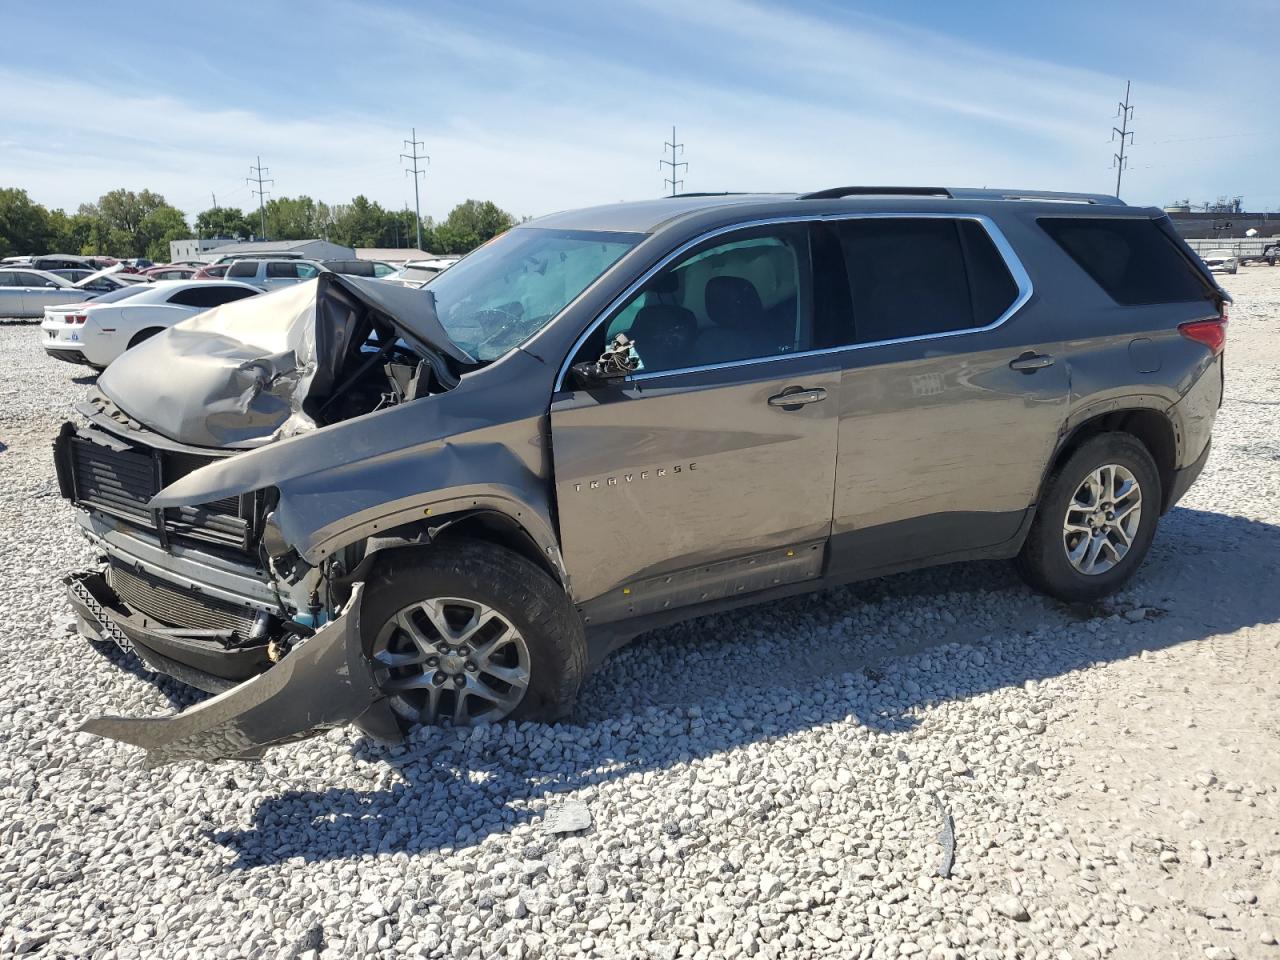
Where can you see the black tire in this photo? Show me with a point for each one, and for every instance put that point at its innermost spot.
(1044, 563)
(511, 584)
(141, 335)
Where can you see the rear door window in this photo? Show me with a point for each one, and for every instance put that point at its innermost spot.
(1132, 259)
(243, 268)
(890, 278)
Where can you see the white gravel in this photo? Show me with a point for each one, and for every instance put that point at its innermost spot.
(767, 783)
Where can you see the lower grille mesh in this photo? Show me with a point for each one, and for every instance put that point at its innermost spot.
(176, 606)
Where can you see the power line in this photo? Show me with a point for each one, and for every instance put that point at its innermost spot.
(262, 193)
(676, 149)
(1124, 112)
(417, 172)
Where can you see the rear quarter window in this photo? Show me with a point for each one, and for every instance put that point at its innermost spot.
(1133, 260)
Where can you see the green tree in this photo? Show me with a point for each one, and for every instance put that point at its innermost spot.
(71, 233)
(292, 218)
(135, 224)
(470, 224)
(223, 222)
(161, 226)
(24, 224)
(360, 223)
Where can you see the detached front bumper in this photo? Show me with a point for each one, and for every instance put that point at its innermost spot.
(324, 682)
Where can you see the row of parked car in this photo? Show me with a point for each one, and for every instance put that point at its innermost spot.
(92, 316)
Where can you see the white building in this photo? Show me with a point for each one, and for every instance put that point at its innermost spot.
(392, 254)
(194, 249)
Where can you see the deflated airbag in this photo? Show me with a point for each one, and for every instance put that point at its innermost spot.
(238, 375)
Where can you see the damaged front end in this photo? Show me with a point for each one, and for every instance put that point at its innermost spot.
(236, 476)
(326, 682)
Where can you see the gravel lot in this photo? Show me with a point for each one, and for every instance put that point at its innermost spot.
(768, 783)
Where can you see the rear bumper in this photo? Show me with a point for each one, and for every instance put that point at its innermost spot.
(1184, 477)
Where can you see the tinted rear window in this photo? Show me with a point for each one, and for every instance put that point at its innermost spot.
(1133, 260)
(884, 278)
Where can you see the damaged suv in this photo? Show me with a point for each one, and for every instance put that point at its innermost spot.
(351, 501)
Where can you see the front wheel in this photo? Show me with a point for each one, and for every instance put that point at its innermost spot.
(471, 632)
(1095, 520)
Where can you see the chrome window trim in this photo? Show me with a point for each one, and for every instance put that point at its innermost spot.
(1011, 261)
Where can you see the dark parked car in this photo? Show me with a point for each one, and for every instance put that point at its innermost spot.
(364, 502)
(360, 268)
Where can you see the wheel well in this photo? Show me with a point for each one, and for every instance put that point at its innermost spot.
(144, 334)
(500, 530)
(486, 525)
(1151, 427)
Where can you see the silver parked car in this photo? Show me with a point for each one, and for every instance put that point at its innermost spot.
(272, 274)
(25, 293)
(352, 501)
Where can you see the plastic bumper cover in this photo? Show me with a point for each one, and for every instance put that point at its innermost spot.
(324, 682)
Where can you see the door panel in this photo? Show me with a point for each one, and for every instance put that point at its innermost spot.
(942, 447)
(672, 473)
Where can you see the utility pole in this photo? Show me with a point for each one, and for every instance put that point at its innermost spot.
(1124, 113)
(259, 170)
(417, 172)
(676, 149)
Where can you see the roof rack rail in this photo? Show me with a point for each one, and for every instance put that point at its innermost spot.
(835, 193)
(1052, 196)
(966, 193)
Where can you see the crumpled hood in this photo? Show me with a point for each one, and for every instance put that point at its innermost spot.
(237, 375)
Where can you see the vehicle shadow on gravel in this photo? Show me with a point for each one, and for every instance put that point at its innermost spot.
(666, 700)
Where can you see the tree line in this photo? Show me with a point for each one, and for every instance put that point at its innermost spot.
(124, 223)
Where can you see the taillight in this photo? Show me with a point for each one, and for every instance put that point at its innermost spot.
(1212, 333)
(76, 318)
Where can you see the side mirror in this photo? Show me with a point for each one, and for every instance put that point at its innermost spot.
(618, 360)
(594, 374)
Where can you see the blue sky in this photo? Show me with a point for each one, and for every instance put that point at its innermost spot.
(543, 106)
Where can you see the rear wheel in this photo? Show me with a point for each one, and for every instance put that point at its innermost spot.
(1095, 521)
(471, 632)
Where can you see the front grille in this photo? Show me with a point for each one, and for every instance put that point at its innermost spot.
(177, 606)
(122, 482)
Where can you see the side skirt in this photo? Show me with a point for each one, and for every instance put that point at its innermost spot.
(604, 638)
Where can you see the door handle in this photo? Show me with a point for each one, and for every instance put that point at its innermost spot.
(1031, 362)
(793, 398)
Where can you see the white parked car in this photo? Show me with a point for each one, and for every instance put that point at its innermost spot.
(273, 274)
(1221, 261)
(415, 273)
(110, 279)
(25, 292)
(97, 332)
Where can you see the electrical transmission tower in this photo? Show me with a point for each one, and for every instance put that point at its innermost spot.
(418, 173)
(676, 149)
(258, 171)
(1124, 113)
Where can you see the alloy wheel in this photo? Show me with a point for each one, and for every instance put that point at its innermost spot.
(1102, 519)
(451, 657)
